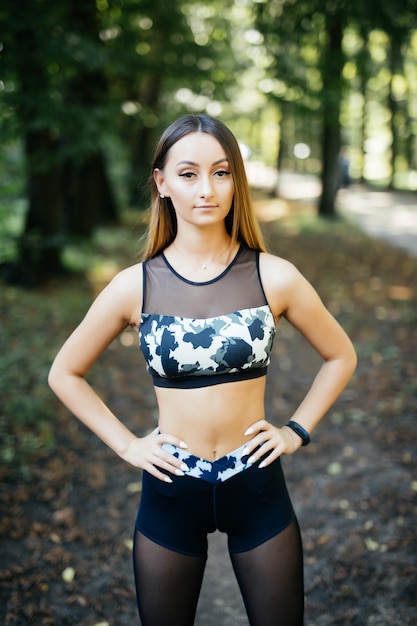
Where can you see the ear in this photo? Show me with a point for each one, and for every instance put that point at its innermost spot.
(159, 179)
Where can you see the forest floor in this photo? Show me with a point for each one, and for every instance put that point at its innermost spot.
(68, 504)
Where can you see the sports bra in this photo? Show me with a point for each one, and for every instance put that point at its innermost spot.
(197, 334)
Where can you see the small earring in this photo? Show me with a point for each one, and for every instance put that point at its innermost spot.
(161, 195)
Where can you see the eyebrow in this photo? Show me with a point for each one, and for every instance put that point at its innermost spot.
(196, 164)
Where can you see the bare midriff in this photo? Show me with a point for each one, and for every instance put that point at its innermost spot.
(212, 420)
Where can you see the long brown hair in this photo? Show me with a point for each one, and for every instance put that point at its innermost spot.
(241, 223)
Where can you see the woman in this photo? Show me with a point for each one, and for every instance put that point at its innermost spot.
(205, 301)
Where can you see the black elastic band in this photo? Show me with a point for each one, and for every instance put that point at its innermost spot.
(300, 431)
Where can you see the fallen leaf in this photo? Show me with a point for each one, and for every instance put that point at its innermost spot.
(68, 574)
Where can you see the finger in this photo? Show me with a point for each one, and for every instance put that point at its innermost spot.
(274, 447)
(168, 459)
(270, 454)
(263, 436)
(255, 428)
(165, 460)
(157, 465)
(178, 443)
(275, 454)
(258, 454)
(254, 444)
(175, 441)
(151, 469)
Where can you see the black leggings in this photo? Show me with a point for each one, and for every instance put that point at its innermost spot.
(170, 546)
(270, 578)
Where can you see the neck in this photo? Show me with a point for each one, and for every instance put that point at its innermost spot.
(204, 252)
(203, 246)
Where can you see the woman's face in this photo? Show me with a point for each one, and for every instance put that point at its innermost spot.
(197, 178)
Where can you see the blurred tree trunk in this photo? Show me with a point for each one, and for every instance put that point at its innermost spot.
(57, 62)
(90, 200)
(141, 142)
(396, 107)
(89, 197)
(332, 67)
(363, 73)
(393, 106)
(41, 242)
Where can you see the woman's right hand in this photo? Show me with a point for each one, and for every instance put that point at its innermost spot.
(147, 453)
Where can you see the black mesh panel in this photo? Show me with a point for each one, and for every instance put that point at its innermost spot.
(167, 293)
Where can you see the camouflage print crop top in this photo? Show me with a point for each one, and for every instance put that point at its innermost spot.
(200, 334)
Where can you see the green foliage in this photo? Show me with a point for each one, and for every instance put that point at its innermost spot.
(367, 84)
(11, 226)
(46, 47)
(32, 322)
(81, 78)
(12, 203)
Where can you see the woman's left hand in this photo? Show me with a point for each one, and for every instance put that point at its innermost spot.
(271, 439)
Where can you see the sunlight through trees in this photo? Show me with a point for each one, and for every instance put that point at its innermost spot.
(87, 86)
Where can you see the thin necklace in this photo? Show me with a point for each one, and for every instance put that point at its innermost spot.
(202, 266)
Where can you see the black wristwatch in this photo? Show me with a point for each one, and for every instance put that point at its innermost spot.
(300, 431)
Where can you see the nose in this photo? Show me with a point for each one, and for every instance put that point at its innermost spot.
(206, 189)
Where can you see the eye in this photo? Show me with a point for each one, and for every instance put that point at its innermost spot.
(187, 174)
(222, 173)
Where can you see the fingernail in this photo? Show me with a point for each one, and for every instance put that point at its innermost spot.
(245, 451)
(178, 472)
(251, 460)
(248, 431)
(183, 445)
(261, 465)
(184, 467)
(167, 479)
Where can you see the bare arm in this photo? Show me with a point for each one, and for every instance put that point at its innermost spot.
(115, 308)
(292, 296)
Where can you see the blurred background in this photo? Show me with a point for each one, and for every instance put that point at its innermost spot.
(322, 96)
(325, 88)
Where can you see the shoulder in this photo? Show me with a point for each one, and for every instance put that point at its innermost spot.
(125, 283)
(123, 294)
(282, 282)
(127, 279)
(276, 271)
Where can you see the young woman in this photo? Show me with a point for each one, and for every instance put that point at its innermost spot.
(206, 301)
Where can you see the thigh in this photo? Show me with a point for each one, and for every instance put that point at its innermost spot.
(177, 515)
(168, 583)
(253, 506)
(271, 579)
